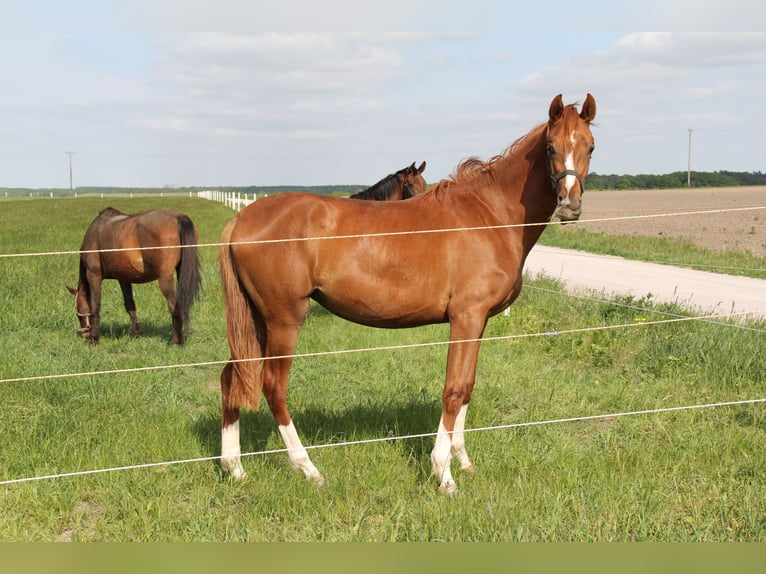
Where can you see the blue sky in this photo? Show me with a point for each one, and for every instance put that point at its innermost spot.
(142, 97)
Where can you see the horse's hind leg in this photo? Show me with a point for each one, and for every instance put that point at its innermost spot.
(282, 343)
(130, 307)
(230, 447)
(168, 289)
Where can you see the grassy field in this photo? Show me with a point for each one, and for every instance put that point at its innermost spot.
(691, 475)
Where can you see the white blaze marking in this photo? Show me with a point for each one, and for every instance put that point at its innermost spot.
(569, 180)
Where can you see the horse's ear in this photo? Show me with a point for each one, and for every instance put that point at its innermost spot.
(556, 109)
(588, 109)
(422, 167)
(412, 167)
(72, 290)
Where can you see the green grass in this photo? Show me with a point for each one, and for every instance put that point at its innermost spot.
(697, 475)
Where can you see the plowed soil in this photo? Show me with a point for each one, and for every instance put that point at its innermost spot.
(674, 214)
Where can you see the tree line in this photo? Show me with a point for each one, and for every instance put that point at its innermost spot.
(676, 180)
(597, 181)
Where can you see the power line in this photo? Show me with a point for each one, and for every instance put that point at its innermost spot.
(689, 164)
(70, 154)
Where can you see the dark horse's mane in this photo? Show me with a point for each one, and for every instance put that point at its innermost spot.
(381, 190)
(84, 278)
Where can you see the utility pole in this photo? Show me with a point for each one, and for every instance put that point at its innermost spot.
(689, 164)
(70, 154)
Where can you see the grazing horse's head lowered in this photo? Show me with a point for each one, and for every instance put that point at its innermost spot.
(148, 246)
(82, 309)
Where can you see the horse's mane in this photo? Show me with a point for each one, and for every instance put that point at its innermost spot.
(381, 190)
(473, 168)
(110, 211)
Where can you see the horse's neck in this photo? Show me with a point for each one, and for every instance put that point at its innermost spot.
(383, 189)
(522, 194)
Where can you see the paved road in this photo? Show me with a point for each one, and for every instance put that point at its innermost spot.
(698, 291)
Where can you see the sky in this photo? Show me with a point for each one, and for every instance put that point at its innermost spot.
(235, 93)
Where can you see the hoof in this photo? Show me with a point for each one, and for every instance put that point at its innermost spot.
(240, 476)
(449, 489)
(470, 468)
(318, 480)
(235, 471)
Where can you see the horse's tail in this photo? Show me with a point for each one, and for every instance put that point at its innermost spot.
(189, 277)
(244, 373)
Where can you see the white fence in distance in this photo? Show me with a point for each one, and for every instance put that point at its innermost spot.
(233, 199)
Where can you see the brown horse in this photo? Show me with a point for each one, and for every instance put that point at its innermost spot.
(137, 249)
(403, 264)
(403, 184)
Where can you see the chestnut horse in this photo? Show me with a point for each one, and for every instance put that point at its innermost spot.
(137, 249)
(402, 264)
(403, 184)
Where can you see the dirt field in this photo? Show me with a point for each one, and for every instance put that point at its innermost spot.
(734, 230)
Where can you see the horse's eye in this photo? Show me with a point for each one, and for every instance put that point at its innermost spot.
(591, 150)
(550, 151)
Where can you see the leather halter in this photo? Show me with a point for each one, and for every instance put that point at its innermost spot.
(555, 179)
(85, 316)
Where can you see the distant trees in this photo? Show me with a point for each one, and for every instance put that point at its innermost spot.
(675, 180)
(595, 181)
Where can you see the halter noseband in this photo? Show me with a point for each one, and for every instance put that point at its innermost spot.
(85, 316)
(555, 179)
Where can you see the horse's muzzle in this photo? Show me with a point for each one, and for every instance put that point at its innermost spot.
(566, 213)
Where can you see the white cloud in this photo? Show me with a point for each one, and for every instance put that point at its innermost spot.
(242, 104)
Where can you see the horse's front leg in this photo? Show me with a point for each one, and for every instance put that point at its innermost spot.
(94, 280)
(130, 307)
(461, 373)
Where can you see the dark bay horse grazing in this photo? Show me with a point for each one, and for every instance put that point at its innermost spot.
(149, 246)
(285, 250)
(403, 184)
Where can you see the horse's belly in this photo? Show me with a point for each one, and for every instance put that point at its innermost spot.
(388, 308)
(128, 268)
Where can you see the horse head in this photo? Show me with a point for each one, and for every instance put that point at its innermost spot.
(414, 183)
(569, 145)
(82, 309)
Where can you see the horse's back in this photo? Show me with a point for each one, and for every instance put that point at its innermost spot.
(376, 263)
(137, 248)
(157, 228)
